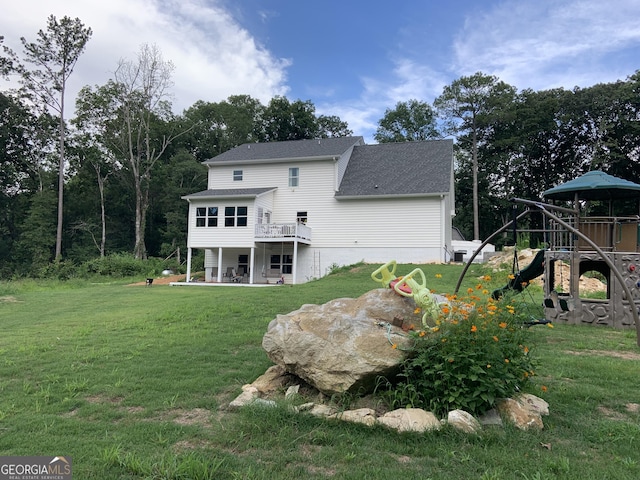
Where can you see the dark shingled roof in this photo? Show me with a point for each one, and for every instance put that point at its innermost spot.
(229, 192)
(409, 168)
(294, 149)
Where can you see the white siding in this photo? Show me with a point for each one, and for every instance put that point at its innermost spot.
(221, 236)
(408, 230)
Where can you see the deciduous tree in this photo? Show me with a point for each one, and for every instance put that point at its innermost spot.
(407, 122)
(51, 59)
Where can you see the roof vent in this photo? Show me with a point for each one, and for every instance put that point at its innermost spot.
(375, 186)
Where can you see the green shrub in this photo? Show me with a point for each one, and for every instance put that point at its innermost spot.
(477, 353)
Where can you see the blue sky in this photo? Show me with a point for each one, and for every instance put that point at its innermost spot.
(351, 58)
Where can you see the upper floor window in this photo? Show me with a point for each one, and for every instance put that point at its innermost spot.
(207, 217)
(235, 216)
(237, 175)
(301, 217)
(294, 176)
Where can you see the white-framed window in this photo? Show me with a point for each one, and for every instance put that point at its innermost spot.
(237, 175)
(206, 216)
(284, 263)
(294, 176)
(235, 216)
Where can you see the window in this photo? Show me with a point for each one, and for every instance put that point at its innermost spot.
(243, 264)
(237, 175)
(207, 216)
(294, 176)
(283, 263)
(301, 217)
(235, 216)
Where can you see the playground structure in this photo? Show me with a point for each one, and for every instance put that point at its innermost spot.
(605, 245)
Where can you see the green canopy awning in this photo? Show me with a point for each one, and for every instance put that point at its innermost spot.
(594, 185)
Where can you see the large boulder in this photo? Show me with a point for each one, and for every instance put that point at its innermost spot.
(345, 344)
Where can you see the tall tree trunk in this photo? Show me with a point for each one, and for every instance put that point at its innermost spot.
(142, 202)
(103, 217)
(60, 188)
(474, 156)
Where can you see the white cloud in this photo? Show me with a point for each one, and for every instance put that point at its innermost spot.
(409, 80)
(546, 44)
(213, 55)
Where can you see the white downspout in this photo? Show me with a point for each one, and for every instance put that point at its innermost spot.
(251, 264)
(295, 259)
(188, 279)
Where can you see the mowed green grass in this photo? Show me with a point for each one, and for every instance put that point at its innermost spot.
(132, 383)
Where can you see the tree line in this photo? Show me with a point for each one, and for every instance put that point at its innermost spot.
(110, 179)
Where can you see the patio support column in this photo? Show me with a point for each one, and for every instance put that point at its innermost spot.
(295, 261)
(188, 279)
(219, 279)
(251, 264)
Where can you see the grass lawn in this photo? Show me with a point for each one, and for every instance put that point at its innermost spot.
(129, 381)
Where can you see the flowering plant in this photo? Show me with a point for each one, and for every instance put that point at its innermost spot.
(477, 353)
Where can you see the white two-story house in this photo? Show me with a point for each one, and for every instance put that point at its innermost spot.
(293, 210)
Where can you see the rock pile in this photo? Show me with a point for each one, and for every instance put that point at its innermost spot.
(344, 346)
(524, 411)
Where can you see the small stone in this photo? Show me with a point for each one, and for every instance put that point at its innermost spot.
(292, 391)
(519, 415)
(248, 395)
(463, 421)
(533, 403)
(490, 417)
(410, 420)
(320, 410)
(366, 416)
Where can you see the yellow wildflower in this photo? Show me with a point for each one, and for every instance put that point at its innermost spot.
(488, 365)
(502, 324)
(422, 333)
(506, 360)
(417, 310)
(438, 275)
(474, 328)
(394, 346)
(495, 339)
(544, 388)
(511, 276)
(550, 325)
(487, 278)
(469, 290)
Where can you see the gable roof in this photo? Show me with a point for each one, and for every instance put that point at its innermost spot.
(229, 193)
(294, 149)
(399, 169)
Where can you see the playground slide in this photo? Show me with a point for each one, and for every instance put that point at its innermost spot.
(523, 277)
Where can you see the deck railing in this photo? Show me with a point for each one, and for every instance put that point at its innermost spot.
(612, 234)
(283, 230)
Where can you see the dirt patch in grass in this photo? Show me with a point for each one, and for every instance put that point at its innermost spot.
(9, 299)
(606, 353)
(187, 445)
(104, 399)
(196, 416)
(164, 280)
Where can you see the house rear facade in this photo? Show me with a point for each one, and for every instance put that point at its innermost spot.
(292, 211)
